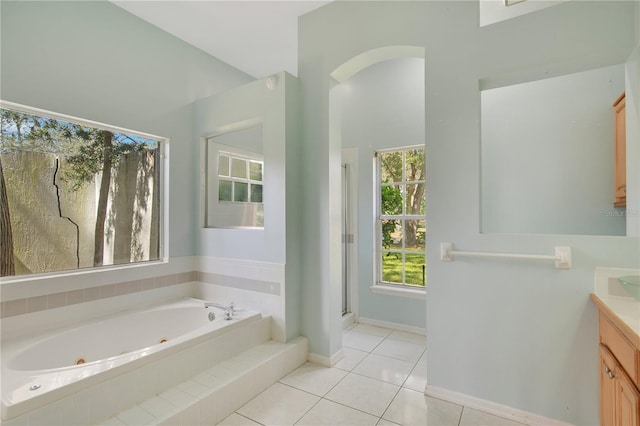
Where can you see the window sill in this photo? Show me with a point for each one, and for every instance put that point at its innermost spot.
(399, 291)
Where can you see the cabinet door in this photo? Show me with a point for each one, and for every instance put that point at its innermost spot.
(627, 401)
(607, 388)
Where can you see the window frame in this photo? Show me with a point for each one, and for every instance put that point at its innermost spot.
(163, 194)
(215, 210)
(248, 159)
(380, 286)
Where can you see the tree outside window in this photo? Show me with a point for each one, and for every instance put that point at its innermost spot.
(74, 195)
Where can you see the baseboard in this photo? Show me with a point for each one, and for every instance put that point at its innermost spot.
(492, 407)
(348, 320)
(325, 360)
(393, 326)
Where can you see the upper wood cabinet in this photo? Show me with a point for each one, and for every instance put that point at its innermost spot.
(620, 153)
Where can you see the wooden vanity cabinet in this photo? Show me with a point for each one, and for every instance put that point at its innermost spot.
(619, 370)
(620, 152)
(619, 398)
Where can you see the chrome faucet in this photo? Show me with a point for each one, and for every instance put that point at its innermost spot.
(228, 309)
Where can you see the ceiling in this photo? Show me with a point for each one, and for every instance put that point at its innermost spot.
(259, 37)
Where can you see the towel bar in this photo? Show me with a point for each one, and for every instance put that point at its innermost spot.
(562, 257)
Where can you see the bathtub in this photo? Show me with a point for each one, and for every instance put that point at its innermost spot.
(43, 369)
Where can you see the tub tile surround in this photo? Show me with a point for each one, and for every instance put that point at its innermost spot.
(27, 305)
(31, 294)
(57, 300)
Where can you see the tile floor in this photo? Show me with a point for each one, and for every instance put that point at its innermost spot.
(380, 381)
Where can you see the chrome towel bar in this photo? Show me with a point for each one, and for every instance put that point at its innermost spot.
(562, 257)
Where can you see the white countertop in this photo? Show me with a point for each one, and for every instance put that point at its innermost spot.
(611, 293)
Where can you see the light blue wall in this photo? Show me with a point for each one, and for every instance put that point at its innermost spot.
(632, 76)
(236, 109)
(96, 61)
(518, 333)
(277, 109)
(381, 107)
(548, 155)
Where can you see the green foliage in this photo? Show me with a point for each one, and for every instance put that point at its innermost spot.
(413, 266)
(83, 147)
(402, 192)
(391, 203)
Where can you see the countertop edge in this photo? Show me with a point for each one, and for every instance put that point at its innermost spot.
(628, 333)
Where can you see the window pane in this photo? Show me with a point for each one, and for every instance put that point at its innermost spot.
(51, 171)
(238, 168)
(391, 166)
(392, 267)
(240, 192)
(256, 193)
(391, 200)
(224, 190)
(414, 234)
(414, 170)
(255, 171)
(415, 271)
(223, 165)
(391, 234)
(415, 199)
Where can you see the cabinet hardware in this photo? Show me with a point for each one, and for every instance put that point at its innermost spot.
(608, 371)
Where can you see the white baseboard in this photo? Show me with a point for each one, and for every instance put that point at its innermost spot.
(326, 361)
(492, 407)
(348, 320)
(393, 326)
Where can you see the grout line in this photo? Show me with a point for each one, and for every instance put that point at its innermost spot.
(461, 413)
(354, 408)
(248, 418)
(349, 372)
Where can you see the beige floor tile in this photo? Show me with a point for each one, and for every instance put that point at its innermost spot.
(361, 341)
(364, 394)
(408, 337)
(383, 422)
(371, 329)
(405, 351)
(237, 420)
(417, 380)
(383, 368)
(471, 417)
(314, 378)
(278, 405)
(328, 413)
(412, 408)
(352, 357)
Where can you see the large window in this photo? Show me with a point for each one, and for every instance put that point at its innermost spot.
(75, 194)
(401, 225)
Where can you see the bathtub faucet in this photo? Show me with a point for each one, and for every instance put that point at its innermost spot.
(228, 309)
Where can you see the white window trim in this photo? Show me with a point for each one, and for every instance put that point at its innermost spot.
(399, 291)
(381, 287)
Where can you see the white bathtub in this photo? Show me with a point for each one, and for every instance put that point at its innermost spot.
(38, 371)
